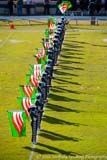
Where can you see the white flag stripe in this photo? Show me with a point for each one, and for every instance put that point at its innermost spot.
(15, 121)
(26, 105)
(20, 120)
(24, 101)
(32, 80)
(27, 91)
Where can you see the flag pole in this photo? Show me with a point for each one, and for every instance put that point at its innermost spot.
(15, 111)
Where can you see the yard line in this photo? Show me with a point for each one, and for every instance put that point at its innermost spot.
(3, 43)
(87, 30)
(42, 30)
(23, 30)
(32, 152)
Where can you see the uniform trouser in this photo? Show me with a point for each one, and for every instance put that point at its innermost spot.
(40, 115)
(34, 130)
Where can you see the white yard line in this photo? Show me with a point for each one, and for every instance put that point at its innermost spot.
(16, 41)
(23, 30)
(32, 152)
(105, 40)
(87, 30)
(7, 38)
(42, 30)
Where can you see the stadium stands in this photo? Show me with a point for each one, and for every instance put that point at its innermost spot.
(37, 8)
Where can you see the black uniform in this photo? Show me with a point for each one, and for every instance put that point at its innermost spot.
(10, 6)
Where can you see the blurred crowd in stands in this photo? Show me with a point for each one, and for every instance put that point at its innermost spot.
(97, 5)
(91, 7)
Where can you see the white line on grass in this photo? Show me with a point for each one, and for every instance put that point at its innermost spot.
(87, 30)
(32, 152)
(105, 40)
(16, 41)
(42, 30)
(7, 38)
(23, 30)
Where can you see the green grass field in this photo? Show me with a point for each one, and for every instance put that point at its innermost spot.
(75, 120)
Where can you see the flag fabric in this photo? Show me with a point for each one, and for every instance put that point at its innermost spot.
(52, 23)
(27, 91)
(32, 79)
(47, 32)
(47, 44)
(17, 121)
(37, 69)
(64, 6)
(41, 56)
(25, 104)
(49, 35)
(52, 26)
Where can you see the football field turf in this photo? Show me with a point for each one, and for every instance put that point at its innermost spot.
(74, 125)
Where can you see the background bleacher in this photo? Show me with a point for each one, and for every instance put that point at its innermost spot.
(37, 8)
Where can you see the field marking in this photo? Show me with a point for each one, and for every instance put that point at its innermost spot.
(87, 30)
(32, 152)
(23, 30)
(105, 40)
(3, 43)
(16, 41)
(42, 30)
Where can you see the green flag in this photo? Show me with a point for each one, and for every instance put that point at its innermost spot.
(52, 23)
(47, 32)
(37, 69)
(28, 91)
(25, 104)
(64, 6)
(41, 56)
(47, 43)
(17, 121)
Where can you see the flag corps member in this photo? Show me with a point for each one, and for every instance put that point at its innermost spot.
(33, 111)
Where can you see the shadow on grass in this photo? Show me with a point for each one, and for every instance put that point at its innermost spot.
(58, 150)
(71, 68)
(71, 50)
(71, 74)
(68, 69)
(65, 81)
(54, 150)
(99, 45)
(73, 34)
(61, 108)
(61, 62)
(88, 43)
(78, 42)
(72, 61)
(54, 120)
(37, 150)
(55, 136)
(70, 56)
(71, 45)
(64, 89)
(63, 98)
(59, 72)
